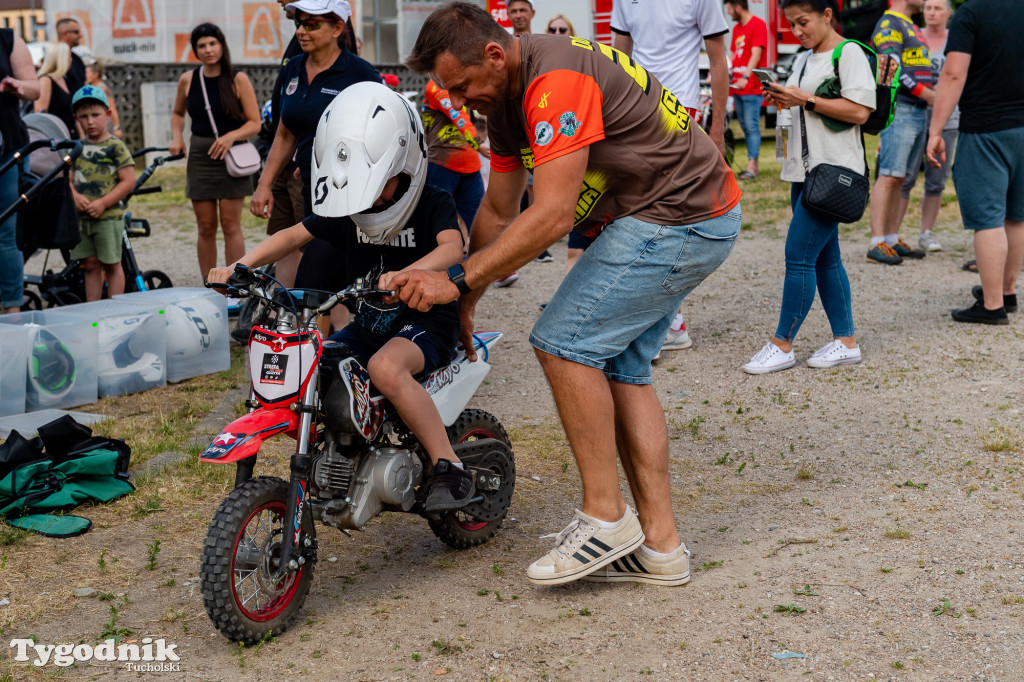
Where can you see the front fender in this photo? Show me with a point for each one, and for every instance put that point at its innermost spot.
(244, 437)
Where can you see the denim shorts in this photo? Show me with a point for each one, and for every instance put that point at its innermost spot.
(989, 178)
(613, 308)
(902, 141)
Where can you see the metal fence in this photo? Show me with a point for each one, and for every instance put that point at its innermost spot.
(125, 79)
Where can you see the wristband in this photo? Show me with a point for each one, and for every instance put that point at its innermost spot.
(457, 276)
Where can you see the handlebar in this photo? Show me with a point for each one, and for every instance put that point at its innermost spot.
(75, 147)
(248, 281)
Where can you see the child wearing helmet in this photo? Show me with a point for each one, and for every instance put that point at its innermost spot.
(369, 198)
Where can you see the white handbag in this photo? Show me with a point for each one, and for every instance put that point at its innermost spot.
(242, 160)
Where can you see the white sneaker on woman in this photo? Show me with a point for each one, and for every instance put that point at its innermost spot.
(834, 353)
(771, 358)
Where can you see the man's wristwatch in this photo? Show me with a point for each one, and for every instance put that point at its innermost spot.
(457, 276)
(809, 104)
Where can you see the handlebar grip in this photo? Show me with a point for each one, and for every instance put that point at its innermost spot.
(175, 157)
(217, 285)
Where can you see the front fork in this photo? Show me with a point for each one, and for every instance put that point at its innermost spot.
(301, 463)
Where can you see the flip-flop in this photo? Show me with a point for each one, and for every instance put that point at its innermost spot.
(970, 266)
(746, 175)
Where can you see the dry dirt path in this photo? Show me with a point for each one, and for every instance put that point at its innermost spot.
(866, 517)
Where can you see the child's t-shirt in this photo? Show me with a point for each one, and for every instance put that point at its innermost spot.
(96, 172)
(434, 213)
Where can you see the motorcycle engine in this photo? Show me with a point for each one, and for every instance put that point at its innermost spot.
(383, 476)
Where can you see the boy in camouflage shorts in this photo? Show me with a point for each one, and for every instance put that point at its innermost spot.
(104, 175)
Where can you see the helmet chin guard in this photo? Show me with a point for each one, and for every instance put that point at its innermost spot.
(366, 136)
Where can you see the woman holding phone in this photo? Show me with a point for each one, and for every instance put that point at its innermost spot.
(813, 260)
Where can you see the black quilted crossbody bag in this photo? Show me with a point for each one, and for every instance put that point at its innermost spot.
(833, 192)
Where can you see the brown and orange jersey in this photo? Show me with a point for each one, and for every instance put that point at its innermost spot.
(646, 158)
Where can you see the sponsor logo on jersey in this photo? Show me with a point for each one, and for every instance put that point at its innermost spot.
(543, 133)
(570, 124)
(543, 103)
(293, 85)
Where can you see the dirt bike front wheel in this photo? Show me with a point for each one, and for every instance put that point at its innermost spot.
(244, 592)
(459, 529)
(155, 279)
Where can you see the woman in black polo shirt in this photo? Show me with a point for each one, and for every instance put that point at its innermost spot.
(309, 84)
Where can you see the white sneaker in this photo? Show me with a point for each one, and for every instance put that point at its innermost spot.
(677, 338)
(834, 353)
(927, 242)
(584, 546)
(507, 280)
(771, 358)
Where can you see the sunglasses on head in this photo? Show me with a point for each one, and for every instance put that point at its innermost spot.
(311, 24)
(559, 29)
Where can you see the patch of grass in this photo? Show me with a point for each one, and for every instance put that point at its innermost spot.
(111, 631)
(946, 608)
(807, 592)
(445, 648)
(885, 569)
(694, 426)
(788, 609)
(497, 570)
(804, 473)
(11, 535)
(999, 440)
(146, 506)
(584, 611)
(897, 533)
(152, 549)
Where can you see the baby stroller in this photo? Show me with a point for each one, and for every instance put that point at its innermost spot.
(53, 224)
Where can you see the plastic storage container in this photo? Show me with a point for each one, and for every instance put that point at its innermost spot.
(197, 329)
(13, 368)
(60, 359)
(131, 344)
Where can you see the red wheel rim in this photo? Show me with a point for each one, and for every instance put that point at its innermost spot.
(462, 520)
(273, 608)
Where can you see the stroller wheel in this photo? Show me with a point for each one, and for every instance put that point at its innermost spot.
(58, 298)
(156, 279)
(32, 301)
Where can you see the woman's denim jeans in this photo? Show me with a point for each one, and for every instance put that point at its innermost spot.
(812, 257)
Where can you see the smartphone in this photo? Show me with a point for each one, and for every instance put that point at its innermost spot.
(766, 77)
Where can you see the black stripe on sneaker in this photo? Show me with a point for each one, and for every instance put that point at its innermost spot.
(618, 566)
(591, 551)
(580, 558)
(600, 545)
(632, 560)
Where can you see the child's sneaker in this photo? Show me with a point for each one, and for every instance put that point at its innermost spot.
(927, 242)
(584, 546)
(677, 338)
(507, 280)
(771, 358)
(545, 257)
(834, 353)
(234, 307)
(641, 567)
(451, 488)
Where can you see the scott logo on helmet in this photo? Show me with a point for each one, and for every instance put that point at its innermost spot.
(321, 191)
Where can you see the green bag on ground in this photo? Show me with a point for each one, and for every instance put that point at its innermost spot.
(36, 484)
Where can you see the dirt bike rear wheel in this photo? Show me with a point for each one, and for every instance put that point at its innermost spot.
(242, 544)
(458, 529)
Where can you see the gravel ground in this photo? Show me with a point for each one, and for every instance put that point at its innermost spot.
(866, 517)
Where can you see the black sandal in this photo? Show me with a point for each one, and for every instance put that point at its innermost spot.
(970, 266)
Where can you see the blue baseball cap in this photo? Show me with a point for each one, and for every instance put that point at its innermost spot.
(89, 92)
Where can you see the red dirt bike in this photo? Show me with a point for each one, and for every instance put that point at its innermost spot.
(354, 458)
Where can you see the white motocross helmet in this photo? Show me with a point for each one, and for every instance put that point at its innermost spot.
(366, 136)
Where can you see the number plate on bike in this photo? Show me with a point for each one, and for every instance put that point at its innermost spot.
(280, 365)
